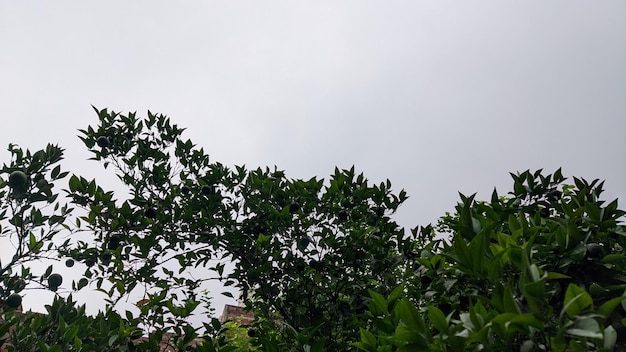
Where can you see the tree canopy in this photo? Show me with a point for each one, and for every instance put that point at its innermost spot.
(321, 262)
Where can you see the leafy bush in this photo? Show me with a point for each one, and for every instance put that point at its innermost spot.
(539, 269)
(65, 327)
(304, 251)
(320, 262)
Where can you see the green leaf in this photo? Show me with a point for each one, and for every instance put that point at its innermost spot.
(524, 321)
(113, 339)
(610, 338)
(535, 296)
(411, 347)
(586, 328)
(614, 258)
(78, 343)
(461, 251)
(508, 301)
(318, 346)
(410, 316)
(55, 172)
(395, 294)
(477, 248)
(438, 319)
(556, 276)
(514, 224)
(380, 303)
(32, 242)
(74, 183)
(577, 301)
(609, 306)
(501, 323)
(404, 334)
(368, 340)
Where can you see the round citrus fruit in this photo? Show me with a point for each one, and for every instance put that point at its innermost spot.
(14, 300)
(102, 142)
(54, 281)
(18, 180)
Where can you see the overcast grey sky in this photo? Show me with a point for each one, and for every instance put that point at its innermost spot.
(438, 96)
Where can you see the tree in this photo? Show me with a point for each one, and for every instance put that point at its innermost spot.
(320, 262)
(539, 269)
(32, 220)
(304, 252)
(30, 228)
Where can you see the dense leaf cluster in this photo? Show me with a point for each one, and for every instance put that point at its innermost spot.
(539, 269)
(320, 262)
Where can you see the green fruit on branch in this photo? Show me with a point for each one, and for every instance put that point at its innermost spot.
(18, 180)
(185, 190)
(595, 251)
(54, 281)
(150, 213)
(41, 184)
(206, 190)
(114, 242)
(69, 263)
(90, 262)
(103, 142)
(303, 243)
(14, 300)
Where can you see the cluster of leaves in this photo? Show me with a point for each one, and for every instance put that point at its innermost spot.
(30, 215)
(333, 241)
(31, 219)
(321, 263)
(66, 327)
(541, 269)
(237, 336)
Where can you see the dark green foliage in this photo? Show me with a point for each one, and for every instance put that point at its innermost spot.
(508, 276)
(30, 216)
(66, 327)
(114, 242)
(150, 213)
(320, 262)
(281, 248)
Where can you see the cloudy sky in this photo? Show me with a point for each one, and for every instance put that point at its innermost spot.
(437, 96)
